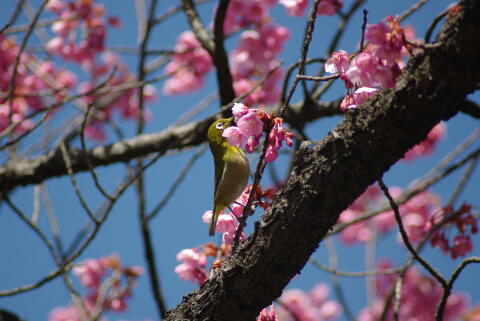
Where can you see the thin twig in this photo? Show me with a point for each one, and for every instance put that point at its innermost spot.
(14, 16)
(11, 85)
(76, 188)
(405, 239)
(447, 290)
(177, 182)
(333, 261)
(364, 28)
(467, 175)
(52, 219)
(101, 218)
(412, 9)
(144, 36)
(314, 78)
(359, 274)
(417, 187)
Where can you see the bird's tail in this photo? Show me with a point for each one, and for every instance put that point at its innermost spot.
(213, 222)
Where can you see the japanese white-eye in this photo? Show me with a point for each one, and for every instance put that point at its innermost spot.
(231, 169)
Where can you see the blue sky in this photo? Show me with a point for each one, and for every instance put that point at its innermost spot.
(179, 225)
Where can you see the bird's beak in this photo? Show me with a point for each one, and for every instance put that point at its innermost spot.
(230, 121)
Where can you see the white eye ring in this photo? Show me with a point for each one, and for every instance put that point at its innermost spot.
(219, 126)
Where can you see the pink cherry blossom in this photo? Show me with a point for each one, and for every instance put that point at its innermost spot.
(241, 13)
(235, 136)
(239, 110)
(387, 40)
(415, 213)
(338, 62)
(271, 154)
(313, 306)
(347, 103)
(106, 273)
(69, 313)
(463, 221)
(189, 66)
(266, 315)
(192, 267)
(427, 146)
(420, 295)
(329, 7)
(256, 55)
(250, 124)
(462, 245)
(91, 272)
(362, 94)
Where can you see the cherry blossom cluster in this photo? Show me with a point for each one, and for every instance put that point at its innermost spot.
(86, 18)
(254, 57)
(189, 65)
(124, 102)
(250, 125)
(298, 305)
(192, 266)
(108, 285)
(465, 223)
(325, 7)
(420, 296)
(416, 214)
(79, 14)
(428, 145)
(194, 261)
(377, 66)
(257, 52)
(242, 13)
(227, 222)
(34, 80)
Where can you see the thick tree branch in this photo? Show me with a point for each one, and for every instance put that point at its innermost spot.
(329, 175)
(35, 170)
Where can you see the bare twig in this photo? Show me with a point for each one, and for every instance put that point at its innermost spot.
(178, 181)
(364, 28)
(14, 16)
(76, 188)
(412, 9)
(447, 290)
(11, 86)
(433, 24)
(360, 274)
(405, 239)
(333, 261)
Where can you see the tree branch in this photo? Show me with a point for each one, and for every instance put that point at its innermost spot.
(331, 174)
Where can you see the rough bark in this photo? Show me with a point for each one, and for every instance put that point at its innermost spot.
(327, 176)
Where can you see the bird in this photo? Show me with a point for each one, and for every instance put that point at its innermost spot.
(231, 169)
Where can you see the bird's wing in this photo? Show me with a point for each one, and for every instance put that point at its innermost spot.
(219, 168)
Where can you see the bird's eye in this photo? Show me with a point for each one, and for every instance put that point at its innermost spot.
(219, 126)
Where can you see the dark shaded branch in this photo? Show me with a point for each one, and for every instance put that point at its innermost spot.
(470, 108)
(331, 174)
